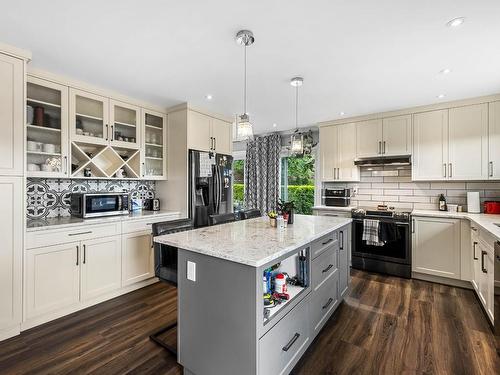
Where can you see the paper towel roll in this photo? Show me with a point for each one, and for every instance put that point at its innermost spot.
(473, 205)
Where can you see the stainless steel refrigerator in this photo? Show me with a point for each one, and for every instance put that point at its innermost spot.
(210, 185)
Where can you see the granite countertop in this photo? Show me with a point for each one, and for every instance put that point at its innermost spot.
(69, 221)
(334, 208)
(253, 242)
(485, 221)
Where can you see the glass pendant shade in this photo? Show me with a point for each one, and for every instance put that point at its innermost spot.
(297, 144)
(244, 128)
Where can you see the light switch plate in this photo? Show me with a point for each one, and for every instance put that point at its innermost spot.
(191, 270)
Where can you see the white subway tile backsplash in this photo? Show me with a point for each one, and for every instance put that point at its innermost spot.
(415, 185)
(385, 185)
(492, 193)
(428, 193)
(402, 205)
(483, 185)
(362, 198)
(405, 172)
(385, 173)
(447, 185)
(398, 192)
(386, 198)
(372, 179)
(371, 191)
(414, 199)
(425, 206)
(400, 179)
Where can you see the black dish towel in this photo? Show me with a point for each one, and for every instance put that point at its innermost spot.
(388, 232)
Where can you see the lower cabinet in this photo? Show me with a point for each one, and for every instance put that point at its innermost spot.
(324, 301)
(138, 257)
(344, 259)
(483, 272)
(47, 290)
(436, 246)
(101, 266)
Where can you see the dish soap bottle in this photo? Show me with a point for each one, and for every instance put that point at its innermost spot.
(442, 203)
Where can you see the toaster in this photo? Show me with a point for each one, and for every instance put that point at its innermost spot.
(491, 207)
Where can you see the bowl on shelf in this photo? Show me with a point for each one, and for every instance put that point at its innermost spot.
(33, 146)
(32, 167)
(49, 148)
(46, 168)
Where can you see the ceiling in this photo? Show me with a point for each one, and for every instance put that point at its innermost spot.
(356, 57)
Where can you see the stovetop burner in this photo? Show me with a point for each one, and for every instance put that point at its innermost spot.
(383, 212)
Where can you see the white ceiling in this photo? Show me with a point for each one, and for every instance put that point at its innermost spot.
(357, 57)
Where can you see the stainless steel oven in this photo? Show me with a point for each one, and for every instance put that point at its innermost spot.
(393, 257)
(87, 205)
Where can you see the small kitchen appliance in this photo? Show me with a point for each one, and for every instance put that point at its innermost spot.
(491, 207)
(337, 197)
(88, 205)
(473, 205)
(151, 204)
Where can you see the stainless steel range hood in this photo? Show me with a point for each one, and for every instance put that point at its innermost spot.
(383, 160)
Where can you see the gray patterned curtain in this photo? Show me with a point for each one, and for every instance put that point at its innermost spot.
(262, 176)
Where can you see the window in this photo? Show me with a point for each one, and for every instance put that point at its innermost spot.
(297, 182)
(238, 184)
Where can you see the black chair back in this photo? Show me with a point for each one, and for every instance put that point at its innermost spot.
(165, 255)
(250, 213)
(221, 219)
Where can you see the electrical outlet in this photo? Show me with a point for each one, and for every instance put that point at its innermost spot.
(191, 271)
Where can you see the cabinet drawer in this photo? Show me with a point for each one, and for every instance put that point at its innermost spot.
(323, 243)
(324, 266)
(60, 236)
(145, 224)
(323, 302)
(283, 345)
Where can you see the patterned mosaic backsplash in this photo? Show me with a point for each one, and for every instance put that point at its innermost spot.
(48, 198)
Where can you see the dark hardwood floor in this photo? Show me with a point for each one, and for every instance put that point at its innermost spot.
(386, 325)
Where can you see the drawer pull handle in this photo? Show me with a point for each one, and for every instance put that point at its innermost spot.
(327, 268)
(77, 254)
(330, 300)
(79, 233)
(474, 250)
(328, 241)
(483, 253)
(292, 341)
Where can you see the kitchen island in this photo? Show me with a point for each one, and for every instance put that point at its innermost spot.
(224, 327)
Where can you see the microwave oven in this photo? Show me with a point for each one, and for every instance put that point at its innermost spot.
(87, 205)
(337, 197)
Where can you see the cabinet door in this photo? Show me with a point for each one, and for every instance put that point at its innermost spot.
(154, 157)
(436, 247)
(368, 138)
(11, 250)
(396, 135)
(199, 132)
(344, 256)
(101, 266)
(347, 171)
(328, 141)
(89, 117)
(137, 257)
(222, 132)
(52, 278)
(11, 116)
(430, 145)
(468, 143)
(51, 128)
(476, 252)
(494, 141)
(482, 291)
(125, 125)
(489, 260)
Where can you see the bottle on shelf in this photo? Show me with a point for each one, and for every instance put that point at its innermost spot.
(442, 203)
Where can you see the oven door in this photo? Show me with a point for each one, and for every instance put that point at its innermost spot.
(398, 251)
(102, 205)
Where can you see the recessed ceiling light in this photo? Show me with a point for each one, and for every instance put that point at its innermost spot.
(440, 96)
(341, 113)
(208, 97)
(455, 22)
(445, 71)
(275, 125)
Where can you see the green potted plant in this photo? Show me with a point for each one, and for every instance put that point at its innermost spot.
(286, 208)
(272, 218)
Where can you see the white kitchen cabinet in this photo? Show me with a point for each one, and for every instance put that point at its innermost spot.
(344, 260)
(137, 257)
(206, 133)
(89, 118)
(11, 115)
(337, 153)
(154, 149)
(468, 143)
(476, 267)
(430, 145)
(369, 138)
(125, 122)
(489, 265)
(100, 266)
(11, 233)
(396, 135)
(436, 246)
(494, 141)
(52, 278)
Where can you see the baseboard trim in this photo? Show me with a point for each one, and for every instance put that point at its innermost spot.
(45, 318)
(442, 280)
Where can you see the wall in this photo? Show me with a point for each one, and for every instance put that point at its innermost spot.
(48, 198)
(392, 186)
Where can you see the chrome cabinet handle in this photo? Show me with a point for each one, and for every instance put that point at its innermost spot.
(444, 169)
(65, 165)
(474, 250)
(292, 341)
(483, 253)
(327, 241)
(79, 233)
(77, 255)
(384, 148)
(327, 268)
(413, 225)
(107, 132)
(84, 254)
(450, 167)
(215, 143)
(112, 133)
(330, 300)
(379, 147)
(491, 169)
(341, 234)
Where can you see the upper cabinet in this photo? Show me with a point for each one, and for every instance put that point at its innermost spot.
(337, 153)
(206, 133)
(47, 128)
(125, 122)
(154, 145)
(384, 137)
(11, 115)
(494, 141)
(89, 117)
(451, 144)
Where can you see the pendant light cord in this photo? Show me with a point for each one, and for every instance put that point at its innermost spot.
(296, 107)
(245, 81)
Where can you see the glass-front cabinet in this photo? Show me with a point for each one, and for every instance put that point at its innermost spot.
(124, 122)
(46, 128)
(89, 117)
(154, 163)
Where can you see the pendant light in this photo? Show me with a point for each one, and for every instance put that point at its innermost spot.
(244, 129)
(297, 139)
